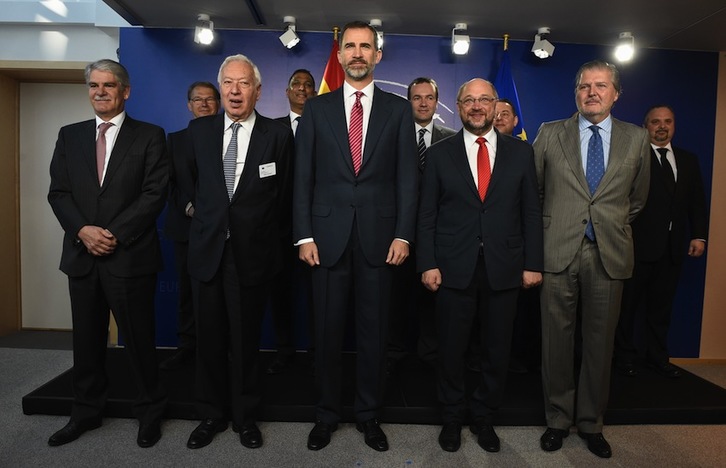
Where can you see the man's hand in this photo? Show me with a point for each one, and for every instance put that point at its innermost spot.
(431, 279)
(308, 253)
(531, 279)
(696, 248)
(397, 252)
(98, 241)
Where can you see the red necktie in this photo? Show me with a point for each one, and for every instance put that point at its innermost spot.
(484, 172)
(101, 149)
(355, 132)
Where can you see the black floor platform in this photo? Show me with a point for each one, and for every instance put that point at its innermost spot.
(410, 398)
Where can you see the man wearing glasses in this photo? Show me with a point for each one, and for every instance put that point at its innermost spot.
(202, 100)
(479, 239)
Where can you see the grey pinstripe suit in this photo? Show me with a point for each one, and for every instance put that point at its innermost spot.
(581, 271)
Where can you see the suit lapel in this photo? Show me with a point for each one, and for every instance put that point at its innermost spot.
(88, 147)
(460, 161)
(620, 144)
(334, 113)
(569, 140)
(124, 139)
(378, 119)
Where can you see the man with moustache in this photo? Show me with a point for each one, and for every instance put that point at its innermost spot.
(676, 206)
(593, 172)
(107, 200)
(408, 292)
(202, 100)
(241, 163)
(479, 239)
(300, 88)
(354, 216)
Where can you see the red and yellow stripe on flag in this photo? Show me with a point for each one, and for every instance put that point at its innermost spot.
(334, 75)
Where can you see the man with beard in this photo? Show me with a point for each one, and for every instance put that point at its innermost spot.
(593, 173)
(479, 239)
(354, 214)
(676, 205)
(300, 88)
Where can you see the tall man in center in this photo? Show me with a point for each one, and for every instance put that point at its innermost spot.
(354, 214)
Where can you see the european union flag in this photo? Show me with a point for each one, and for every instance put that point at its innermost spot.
(506, 88)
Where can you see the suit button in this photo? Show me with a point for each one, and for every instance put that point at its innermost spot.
(584, 221)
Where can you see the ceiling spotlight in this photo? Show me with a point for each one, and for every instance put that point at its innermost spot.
(378, 26)
(625, 48)
(204, 31)
(460, 39)
(289, 38)
(542, 48)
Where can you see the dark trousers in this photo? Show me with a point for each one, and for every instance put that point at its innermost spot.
(332, 287)
(650, 290)
(186, 330)
(456, 310)
(229, 318)
(132, 302)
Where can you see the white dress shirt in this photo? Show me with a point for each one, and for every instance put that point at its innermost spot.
(243, 141)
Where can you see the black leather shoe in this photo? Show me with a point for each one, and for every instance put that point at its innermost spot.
(626, 368)
(205, 432)
(551, 440)
(279, 364)
(374, 436)
(183, 357)
(319, 437)
(666, 369)
(486, 437)
(149, 434)
(450, 437)
(249, 435)
(72, 431)
(597, 444)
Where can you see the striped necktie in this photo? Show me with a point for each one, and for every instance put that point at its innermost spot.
(355, 133)
(421, 149)
(229, 162)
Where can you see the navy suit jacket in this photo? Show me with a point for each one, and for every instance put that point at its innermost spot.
(127, 204)
(258, 214)
(453, 221)
(685, 211)
(328, 194)
(181, 187)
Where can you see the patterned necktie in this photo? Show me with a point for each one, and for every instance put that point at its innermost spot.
(229, 162)
(101, 149)
(483, 169)
(421, 149)
(595, 170)
(668, 177)
(355, 132)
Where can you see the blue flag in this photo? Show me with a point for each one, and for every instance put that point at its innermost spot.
(506, 88)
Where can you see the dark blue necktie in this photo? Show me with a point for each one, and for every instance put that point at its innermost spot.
(595, 169)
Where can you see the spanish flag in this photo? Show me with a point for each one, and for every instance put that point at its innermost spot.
(334, 75)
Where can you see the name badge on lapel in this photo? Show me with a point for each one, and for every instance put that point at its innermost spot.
(267, 170)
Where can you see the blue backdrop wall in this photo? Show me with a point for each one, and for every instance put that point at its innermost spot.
(163, 62)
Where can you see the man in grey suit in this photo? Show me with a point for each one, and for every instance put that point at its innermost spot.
(593, 173)
(408, 294)
(354, 215)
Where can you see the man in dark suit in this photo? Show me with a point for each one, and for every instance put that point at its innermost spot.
(202, 100)
(300, 87)
(593, 173)
(676, 206)
(353, 218)
(107, 200)
(408, 293)
(479, 239)
(241, 165)
(505, 116)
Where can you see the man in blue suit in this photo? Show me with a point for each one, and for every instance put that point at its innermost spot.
(354, 216)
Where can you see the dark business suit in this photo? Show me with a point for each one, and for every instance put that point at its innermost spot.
(176, 228)
(231, 277)
(661, 232)
(481, 250)
(353, 221)
(411, 302)
(127, 204)
(581, 274)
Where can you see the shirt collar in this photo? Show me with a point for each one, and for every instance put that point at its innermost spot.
(348, 90)
(117, 120)
(247, 123)
(606, 125)
(490, 136)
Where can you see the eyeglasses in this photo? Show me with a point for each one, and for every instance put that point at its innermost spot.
(483, 100)
(208, 100)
